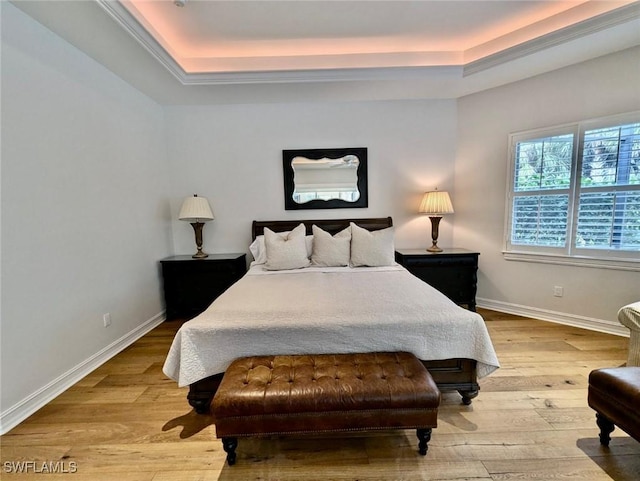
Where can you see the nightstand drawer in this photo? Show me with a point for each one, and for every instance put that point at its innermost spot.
(434, 261)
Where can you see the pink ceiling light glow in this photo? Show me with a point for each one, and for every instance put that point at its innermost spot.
(212, 36)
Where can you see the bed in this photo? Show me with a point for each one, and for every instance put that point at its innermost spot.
(328, 309)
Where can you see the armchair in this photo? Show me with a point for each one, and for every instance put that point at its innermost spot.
(629, 316)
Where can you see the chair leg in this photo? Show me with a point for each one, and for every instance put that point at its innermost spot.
(424, 436)
(229, 445)
(606, 428)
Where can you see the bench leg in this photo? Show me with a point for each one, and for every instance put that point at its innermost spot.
(424, 436)
(606, 428)
(229, 445)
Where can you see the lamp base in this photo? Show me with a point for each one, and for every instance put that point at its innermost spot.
(197, 229)
(435, 222)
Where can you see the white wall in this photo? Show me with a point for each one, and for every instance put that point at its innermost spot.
(605, 86)
(85, 214)
(233, 156)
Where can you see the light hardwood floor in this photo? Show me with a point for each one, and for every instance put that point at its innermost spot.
(126, 421)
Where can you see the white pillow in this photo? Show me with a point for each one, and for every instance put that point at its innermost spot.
(331, 251)
(259, 252)
(371, 248)
(286, 250)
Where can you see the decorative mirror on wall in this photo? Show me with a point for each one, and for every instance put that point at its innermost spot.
(325, 178)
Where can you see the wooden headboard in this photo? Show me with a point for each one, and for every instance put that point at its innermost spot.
(330, 225)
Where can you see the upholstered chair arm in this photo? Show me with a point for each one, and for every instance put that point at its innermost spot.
(629, 316)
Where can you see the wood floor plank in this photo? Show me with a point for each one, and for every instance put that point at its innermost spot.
(126, 421)
(506, 400)
(501, 332)
(534, 383)
(145, 379)
(124, 365)
(541, 469)
(490, 421)
(620, 467)
(91, 379)
(569, 418)
(608, 357)
(111, 476)
(108, 412)
(599, 344)
(501, 445)
(152, 394)
(106, 432)
(168, 457)
(535, 346)
(96, 395)
(563, 368)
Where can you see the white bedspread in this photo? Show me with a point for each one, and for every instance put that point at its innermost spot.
(327, 310)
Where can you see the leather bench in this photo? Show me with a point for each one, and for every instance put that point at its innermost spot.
(614, 393)
(324, 393)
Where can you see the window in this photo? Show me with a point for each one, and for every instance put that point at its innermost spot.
(574, 192)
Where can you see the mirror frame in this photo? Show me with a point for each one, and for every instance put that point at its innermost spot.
(289, 186)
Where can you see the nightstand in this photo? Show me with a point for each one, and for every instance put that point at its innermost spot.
(452, 271)
(191, 285)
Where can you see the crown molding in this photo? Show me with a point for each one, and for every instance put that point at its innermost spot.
(578, 30)
(131, 25)
(320, 75)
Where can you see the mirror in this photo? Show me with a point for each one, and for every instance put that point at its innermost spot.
(325, 178)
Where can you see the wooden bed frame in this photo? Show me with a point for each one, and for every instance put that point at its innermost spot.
(449, 374)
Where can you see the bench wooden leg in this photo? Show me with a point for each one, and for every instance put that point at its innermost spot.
(424, 436)
(606, 428)
(229, 445)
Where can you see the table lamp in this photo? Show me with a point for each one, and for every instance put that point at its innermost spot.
(197, 211)
(435, 204)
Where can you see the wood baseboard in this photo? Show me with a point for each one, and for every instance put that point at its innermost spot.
(592, 324)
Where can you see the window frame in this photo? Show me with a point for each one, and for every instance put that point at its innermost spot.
(570, 254)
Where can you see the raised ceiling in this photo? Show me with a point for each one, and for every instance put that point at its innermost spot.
(245, 36)
(410, 49)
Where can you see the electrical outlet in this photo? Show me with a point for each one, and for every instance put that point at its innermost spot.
(106, 319)
(558, 291)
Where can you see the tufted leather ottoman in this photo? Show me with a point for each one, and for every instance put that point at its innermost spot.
(268, 395)
(614, 393)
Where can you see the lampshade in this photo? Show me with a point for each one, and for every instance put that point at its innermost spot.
(196, 209)
(436, 203)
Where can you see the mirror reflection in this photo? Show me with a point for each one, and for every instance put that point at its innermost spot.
(325, 179)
